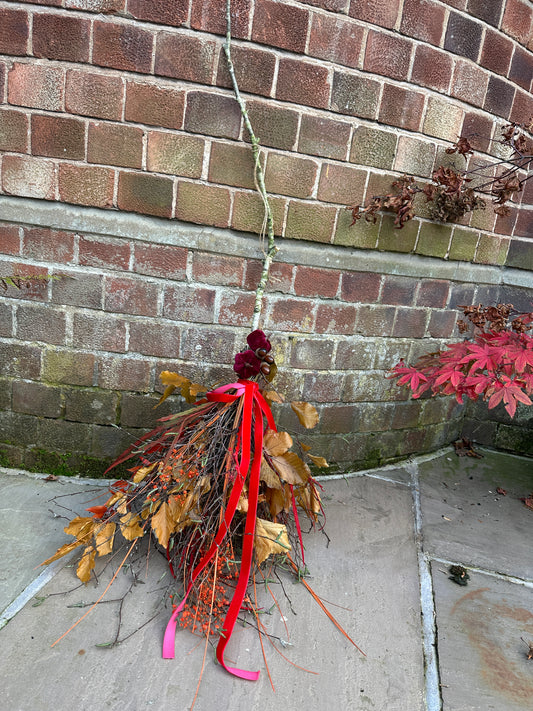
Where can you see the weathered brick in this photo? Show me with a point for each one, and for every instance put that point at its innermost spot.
(116, 373)
(175, 154)
(154, 105)
(324, 137)
(280, 279)
(517, 19)
(378, 12)
(524, 224)
(520, 254)
(311, 353)
(204, 204)
(217, 269)
(231, 164)
(303, 83)
(91, 405)
(130, 296)
(414, 157)
(492, 249)
(272, 125)
(442, 120)
(355, 95)
(290, 315)
(27, 176)
(160, 260)
(461, 294)
(35, 286)
(48, 245)
(236, 309)
(398, 290)
(410, 323)
(388, 55)
(212, 114)
(499, 98)
(140, 410)
(489, 12)
(375, 320)
(364, 386)
(469, 83)
(214, 345)
(10, 242)
(441, 324)
(254, 70)
(280, 25)
(390, 351)
(313, 281)
(103, 252)
(505, 224)
(155, 338)
(423, 20)
(335, 318)
(120, 46)
(522, 106)
(323, 387)
(401, 107)
(160, 12)
(3, 73)
(91, 94)
(248, 212)
(41, 323)
(434, 239)
(13, 131)
(335, 39)
(115, 144)
(496, 53)
(86, 185)
(332, 5)
(69, 367)
(99, 332)
(463, 36)
(20, 361)
(36, 86)
(341, 184)
(373, 147)
(57, 137)
(147, 194)
(478, 129)
(310, 221)
(188, 303)
(210, 16)
(362, 234)
(14, 31)
(432, 68)
(100, 6)
(61, 37)
(108, 442)
(433, 293)
(339, 419)
(185, 57)
(36, 399)
(290, 175)
(360, 287)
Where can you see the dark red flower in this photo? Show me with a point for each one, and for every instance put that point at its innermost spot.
(257, 339)
(247, 364)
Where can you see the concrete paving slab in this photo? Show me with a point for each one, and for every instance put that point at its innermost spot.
(369, 567)
(483, 662)
(465, 520)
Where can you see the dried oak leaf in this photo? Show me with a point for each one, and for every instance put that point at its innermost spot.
(270, 538)
(306, 413)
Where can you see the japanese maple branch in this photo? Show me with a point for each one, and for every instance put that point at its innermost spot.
(259, 180)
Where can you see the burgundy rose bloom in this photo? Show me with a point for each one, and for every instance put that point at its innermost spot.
(247, 364)
(257, 339)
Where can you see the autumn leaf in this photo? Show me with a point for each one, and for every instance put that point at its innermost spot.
(269, 476)
(276, 443)
(81, 527)
(318, 461)
(143, 472)
(270, 538)
(130, 526)
(291, 468)
(104, 538)
(279, 500)
(307, 414)
(273, 396)
(86, 564)
(163, 524)
(309, 499)
(196, 389)
(66, 548)
(173, 381)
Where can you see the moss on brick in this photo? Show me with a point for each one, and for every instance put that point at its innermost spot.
(391, 239)
(309, 221)
(373, 147)
(492, 250)
(434, 239)
(463, 244)
(362, 234)
(204, 204)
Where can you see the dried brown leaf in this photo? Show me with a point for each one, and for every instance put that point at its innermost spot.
(66, 548)
(269, 476)
(130, 526)
(318, 461)
(273, 396)
(276, 443)
(163, 524)
(86, 564)
(104, 538)
(82, 527)
(307, 414)
(278, 500)
(270, 538)
(291, 468)
(143, 472)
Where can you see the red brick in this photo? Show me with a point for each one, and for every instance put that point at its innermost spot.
(10, 239)
(210, 16)
(478, 129)
(423, 20)
(77, 289)
(124, 374)
(157, 339)
(57, 137)
(35, 287)
(521, 70)
(37, 86)
(303, 83)
(147, 194)
(212, 114)
(291, 315)
(496, 53)
(500, 97)
(323, 387)
(401, 107)
(231, 164)
(433, 293)
(61, 37)
(236, 309)
(335, 318)
(522, 109)
(27, 176)
(100, 6)
(524, 224)
(280, 277)
(126, 47)
(20, 361)
(311, 352)
(185, 57)
(101, 333)
(290, 175)
(324, 137)
(160, 260)
(160, 11)
(203, 204)
(154, 105)
(130, 296)
(175, 154)
(516, 20)
(115, 144)
(312, 281)
(469, 83)
(217, 269)
(341, 184)
(410, 323)
(104, 252)
(489, 12)
(398, 290)
(378, 12)
(505, 225)
(39, 323)
(14, 31)
(254, 70)
(273, 126)
(280, 25)
(188, 303)
(48, 245)
(441, 324)
(355, 95)
(86, 185)
(213, 345)
(387, 55)
(432, 68)
(36, 399)
(463, 36)
(375, 320)
(332, 5)
(335, 39)
(91, 94)
(13, 131)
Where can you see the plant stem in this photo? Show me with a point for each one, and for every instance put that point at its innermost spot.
(259, 179)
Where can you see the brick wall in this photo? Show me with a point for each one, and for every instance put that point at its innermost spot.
(110, 107)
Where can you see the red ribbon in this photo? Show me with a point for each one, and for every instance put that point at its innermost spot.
(255, 408)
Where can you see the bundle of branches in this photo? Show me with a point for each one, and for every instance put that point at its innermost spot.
(219, 489)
